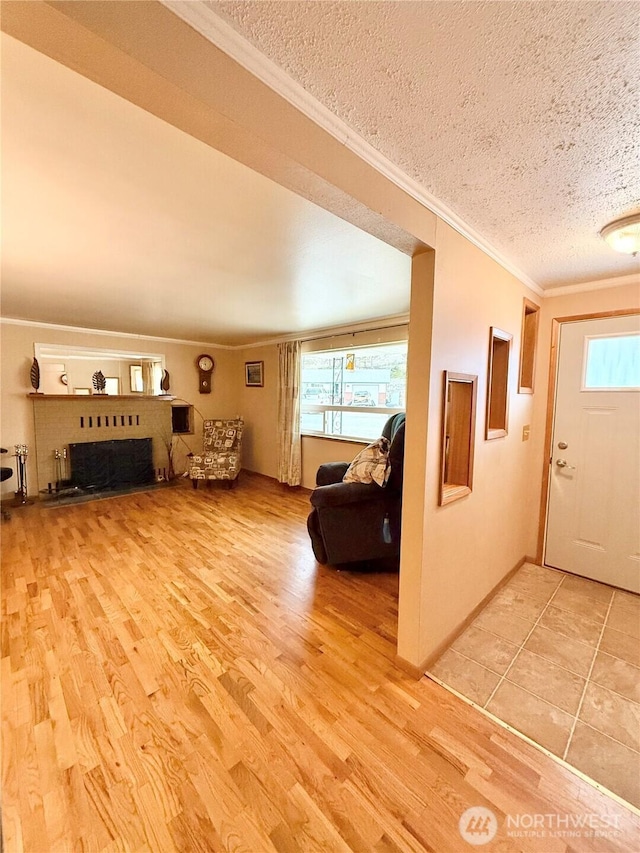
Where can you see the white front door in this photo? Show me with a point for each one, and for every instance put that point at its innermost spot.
(593, 515)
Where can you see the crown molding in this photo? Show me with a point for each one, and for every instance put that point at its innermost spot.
(329, 332)
(600, 284)
(12, 321)
(205, 21)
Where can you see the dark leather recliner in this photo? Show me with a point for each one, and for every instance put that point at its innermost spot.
(359, 522)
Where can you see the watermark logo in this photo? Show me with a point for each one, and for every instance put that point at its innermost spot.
(478, 825)
(559, 825)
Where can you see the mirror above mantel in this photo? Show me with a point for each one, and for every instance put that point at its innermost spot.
(69, 370)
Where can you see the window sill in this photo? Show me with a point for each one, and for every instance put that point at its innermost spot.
(344, 439)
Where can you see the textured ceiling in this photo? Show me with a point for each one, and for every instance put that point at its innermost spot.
(522, 117)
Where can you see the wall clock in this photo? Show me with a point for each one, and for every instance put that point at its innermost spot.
(205, 366)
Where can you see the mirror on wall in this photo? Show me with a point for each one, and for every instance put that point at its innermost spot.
(458, 435)
(69, 370)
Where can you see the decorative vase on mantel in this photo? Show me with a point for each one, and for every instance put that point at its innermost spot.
(34, 375)
(99, 382)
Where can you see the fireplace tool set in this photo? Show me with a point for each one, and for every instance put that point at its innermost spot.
(61, 467)
(21, 453)
(63, 482)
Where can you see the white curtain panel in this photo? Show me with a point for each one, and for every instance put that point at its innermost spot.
(289, 459)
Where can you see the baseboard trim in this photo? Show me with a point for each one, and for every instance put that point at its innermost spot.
(409, 668)
(453, 635)
(300, 488)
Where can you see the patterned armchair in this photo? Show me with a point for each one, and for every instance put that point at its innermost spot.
(221, 454)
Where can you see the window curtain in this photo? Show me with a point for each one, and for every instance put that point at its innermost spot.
(289, 458)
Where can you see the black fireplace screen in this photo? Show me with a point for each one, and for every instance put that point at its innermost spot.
(117, 464)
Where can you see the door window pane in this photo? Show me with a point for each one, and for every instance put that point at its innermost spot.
(613, 363)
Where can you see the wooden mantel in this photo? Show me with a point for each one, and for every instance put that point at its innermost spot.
(161, 397)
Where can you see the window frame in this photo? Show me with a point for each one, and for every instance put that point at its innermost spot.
(315, 408)
(327, 408)
(596, 389)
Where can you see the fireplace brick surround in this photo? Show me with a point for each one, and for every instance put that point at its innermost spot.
(63, 420)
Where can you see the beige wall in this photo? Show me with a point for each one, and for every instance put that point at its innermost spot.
(461, 551)
(415, 499)
(16, 415)
(259, 407)
(465, 548)
(318, 451)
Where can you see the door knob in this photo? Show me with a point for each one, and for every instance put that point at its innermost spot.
(563, 445)
(562, 463)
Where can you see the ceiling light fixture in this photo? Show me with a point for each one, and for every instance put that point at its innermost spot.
(623, 235)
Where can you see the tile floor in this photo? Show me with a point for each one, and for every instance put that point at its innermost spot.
(557, 657)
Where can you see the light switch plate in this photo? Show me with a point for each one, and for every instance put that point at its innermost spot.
(526, 429)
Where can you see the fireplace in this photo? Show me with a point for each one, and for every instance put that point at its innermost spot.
(108, 465)
(62, 421)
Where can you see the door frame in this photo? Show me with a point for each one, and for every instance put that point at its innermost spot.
(556, 322)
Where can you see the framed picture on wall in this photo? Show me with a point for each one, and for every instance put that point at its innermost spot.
(254, 373)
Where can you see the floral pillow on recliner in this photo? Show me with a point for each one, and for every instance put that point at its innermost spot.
(371, 465)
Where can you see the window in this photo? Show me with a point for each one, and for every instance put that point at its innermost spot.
(351, 393)
(612, 363)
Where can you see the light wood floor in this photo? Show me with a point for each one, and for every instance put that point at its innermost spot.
(179, 674)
